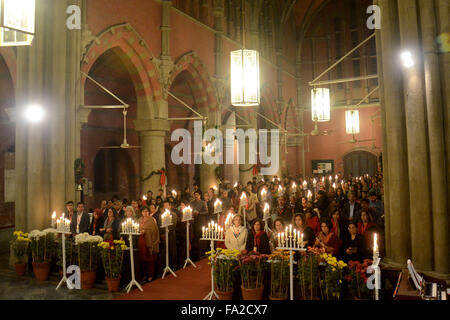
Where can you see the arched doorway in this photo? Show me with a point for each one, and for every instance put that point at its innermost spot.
(110, 171)
(185, 175)
(7, 143)
(358, 163)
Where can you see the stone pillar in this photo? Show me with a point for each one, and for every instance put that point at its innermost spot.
(436, 137)
(386, 196)
(416, 130)
(152, 134)
(399, 222)
(43, 166)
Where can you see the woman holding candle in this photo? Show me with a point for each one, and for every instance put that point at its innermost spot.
(326, 239)
(257, 239)
(353, 247)
(278, 228)
(236, 235)
(300, 225)
(148, 243)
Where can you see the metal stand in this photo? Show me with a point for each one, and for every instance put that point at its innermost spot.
(212, 293)
(291, 249)
(133, 278)
(188, 259)
(167, 268)
(376, 261)
(64, 277)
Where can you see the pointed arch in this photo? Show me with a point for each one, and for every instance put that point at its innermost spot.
(135, 54)
(202, 86)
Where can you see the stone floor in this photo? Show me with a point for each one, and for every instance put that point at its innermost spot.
(13, 287)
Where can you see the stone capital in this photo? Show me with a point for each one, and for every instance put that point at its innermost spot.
(161, 125)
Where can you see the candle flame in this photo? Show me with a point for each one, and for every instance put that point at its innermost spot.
(54, 215)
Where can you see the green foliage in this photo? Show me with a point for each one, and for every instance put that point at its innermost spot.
(21, 246)
(309, 275)
(225, 263)
(279, 271)
(42, 245)
(112, 258)
(252, 266)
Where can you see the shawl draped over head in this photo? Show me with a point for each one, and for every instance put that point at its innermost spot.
(257, 237)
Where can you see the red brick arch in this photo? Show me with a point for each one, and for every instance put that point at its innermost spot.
(10, 58)
(134, 53)
(200, 80)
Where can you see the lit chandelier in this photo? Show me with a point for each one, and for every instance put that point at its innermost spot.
(244, 75)
(320, 104)
(17, 22)
(352, 121)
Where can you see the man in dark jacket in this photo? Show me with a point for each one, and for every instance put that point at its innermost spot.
(351, 209)
(80, 220)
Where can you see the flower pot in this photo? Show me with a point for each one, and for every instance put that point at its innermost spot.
(252, 294)
(21, 268)
(225, 295)
(88, 278)
(278, 298)
(41, 270)
(113, 284)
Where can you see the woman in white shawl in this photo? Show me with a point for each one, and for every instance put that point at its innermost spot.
(236, 235)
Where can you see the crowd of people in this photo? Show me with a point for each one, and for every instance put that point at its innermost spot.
(336, 214)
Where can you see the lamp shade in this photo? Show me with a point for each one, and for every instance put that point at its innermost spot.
(320, 104)
(17, 22)
(245, 85)
(352, 121)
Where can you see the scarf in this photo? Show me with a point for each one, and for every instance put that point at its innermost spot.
(257, 238)
(237, 231)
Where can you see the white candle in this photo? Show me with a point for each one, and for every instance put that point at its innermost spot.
(375, 249)
(314, 182)
(263, 194)
(235, 185)
(144, 197)
(203, 232)
(218, 206)
(309, 195)
(243, 201)
(266, 211)
(174, 193)
(302, 241)
(53, 218)
(279, 239)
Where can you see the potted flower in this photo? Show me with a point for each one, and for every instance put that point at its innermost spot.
(251, 266)
(279, 271)
(333, 275)
(86, 250)
(112, 258)
(224, 262)
(309, 275)
(42, 245)
(357, 279)
(21, 247)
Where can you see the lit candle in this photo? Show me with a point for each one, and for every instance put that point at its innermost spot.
(243, 201)
(144, 197)
(282, 239)
(263, 194)
(235, 184)
(314, 182)
(279, 239)
(266, 211)
(294, 240)
(305, 184)
(330, 178)
(375, 248)
(280, 189)
(290, 231)
(336, 177)
(323, 179)
(203, 232)
(309, 195)
(53, 219)
(174, 193)
(302, 240)
(334, 186)
(217, 206)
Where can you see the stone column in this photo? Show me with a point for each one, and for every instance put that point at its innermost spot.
(400, 249)
(43, 156)
(152, 134)
(386, 199)
(436, 137)
(416, 130)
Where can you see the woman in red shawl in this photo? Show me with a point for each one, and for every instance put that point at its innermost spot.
(366, 223)
(148, 244)
(257, 239)
(313, 222)
(327, 239)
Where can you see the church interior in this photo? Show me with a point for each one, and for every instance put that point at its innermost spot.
(98, 97)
